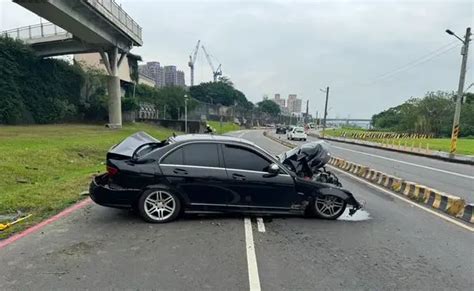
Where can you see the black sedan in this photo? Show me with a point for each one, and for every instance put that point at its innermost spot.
(280, 129)
(209, 173)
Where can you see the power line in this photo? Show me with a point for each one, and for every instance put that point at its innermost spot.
(415, 63)
(420, 60)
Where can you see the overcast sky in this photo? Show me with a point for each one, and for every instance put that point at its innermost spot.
(358, 48)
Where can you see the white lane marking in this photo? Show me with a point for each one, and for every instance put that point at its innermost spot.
(407, 163)
(260, 225)
(242, 134)
(449, 219)
(254, 280)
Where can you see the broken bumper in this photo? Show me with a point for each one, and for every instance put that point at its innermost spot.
(111, 196)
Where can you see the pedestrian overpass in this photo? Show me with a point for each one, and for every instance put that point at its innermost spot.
(82, 26)
(49, 40)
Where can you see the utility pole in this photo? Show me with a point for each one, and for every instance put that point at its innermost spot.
(307, 112)
(462, 77)
(325, 109)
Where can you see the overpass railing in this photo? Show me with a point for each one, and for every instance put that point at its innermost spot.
(115, 12)
(36, 31)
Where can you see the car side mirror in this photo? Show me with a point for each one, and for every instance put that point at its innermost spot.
(273, 170)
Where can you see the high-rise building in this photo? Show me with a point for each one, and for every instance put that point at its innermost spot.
(163, 76)
(171, 76)
(154, 71)
(279, 101)
(294, 104)
(180, 79)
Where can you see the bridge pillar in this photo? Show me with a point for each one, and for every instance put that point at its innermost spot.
(112, 63)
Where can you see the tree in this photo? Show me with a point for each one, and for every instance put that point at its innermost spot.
(269, 107)
(93, 101)
(221, 92)
(226, 80)
(431, 114)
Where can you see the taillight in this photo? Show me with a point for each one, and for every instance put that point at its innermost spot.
(112, 171)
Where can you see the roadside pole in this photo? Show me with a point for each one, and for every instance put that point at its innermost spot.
(325, 110)
(462, 77)
(186, 113)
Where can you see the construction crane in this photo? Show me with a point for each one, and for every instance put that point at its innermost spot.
(215, 72)
(192, 60)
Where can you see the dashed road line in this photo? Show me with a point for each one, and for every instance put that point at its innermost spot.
(254, 280)
(260, 224)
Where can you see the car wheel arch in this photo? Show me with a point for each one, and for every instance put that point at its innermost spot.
(331, 191)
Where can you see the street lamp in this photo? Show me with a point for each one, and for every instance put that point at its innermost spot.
(185, 113)
(462, 77)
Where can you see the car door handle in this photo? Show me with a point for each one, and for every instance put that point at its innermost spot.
(238, 177)
(180, 171)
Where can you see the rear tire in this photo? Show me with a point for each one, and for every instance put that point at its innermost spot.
(159, 205)
(328, 207)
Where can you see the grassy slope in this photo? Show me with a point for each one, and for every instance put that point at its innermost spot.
(55, 163)
(226, 126)
(465, 146)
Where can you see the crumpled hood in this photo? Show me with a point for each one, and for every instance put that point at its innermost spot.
(316, 154)
(128, 146)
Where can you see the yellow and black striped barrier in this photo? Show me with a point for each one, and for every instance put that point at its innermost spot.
(450, 204)
(385, 135)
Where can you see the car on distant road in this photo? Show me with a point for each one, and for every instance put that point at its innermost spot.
(296, 133)
(211, 173)
(281, 129)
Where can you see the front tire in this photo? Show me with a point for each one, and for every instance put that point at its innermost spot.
(159, 205)
(329, 207)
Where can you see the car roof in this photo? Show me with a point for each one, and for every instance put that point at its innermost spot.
(209, 137)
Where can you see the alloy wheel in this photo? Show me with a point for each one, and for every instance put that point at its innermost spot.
(329, 206)
(160, 205)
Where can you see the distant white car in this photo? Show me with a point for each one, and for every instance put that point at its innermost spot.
(297, 133)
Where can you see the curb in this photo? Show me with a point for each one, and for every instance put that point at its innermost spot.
(449, 204)
(64, 213)
(460, 159)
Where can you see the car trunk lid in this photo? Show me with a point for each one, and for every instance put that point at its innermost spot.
(128, 146)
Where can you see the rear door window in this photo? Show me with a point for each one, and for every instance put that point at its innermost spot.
(176, 157)
(240, 158)
(201, 154)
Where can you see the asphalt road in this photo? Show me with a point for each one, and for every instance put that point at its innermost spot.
(452, 178)
(391, 245)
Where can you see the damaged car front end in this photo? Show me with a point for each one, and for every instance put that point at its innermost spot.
(308, 162)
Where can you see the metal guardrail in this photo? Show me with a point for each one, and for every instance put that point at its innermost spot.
(118, 14)
(36, 31)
